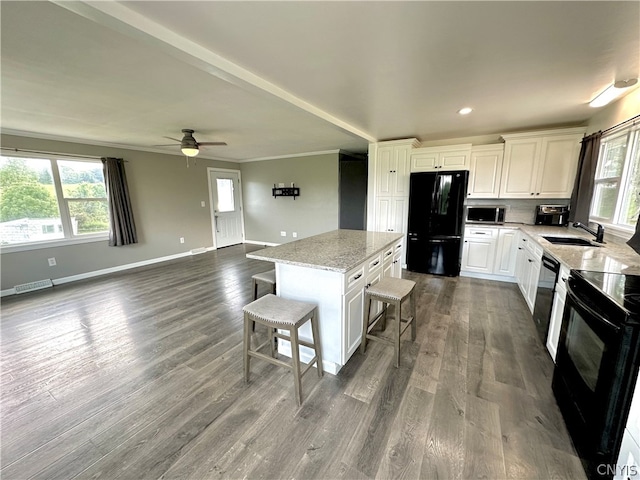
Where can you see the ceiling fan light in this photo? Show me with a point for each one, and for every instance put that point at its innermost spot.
(190, 151)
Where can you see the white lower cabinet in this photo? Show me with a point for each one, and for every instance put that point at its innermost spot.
(628, 465)
(557, 311)
(505, 260)
(352, 305)
(479, 249)
(529, 255)
(489, 252)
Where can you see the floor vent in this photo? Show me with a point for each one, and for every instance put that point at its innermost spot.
(196, 251)
(31, 286)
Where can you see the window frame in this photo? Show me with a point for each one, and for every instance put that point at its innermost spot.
(63, 206)
(632, 134)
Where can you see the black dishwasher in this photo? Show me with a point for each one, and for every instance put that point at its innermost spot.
(549, 270)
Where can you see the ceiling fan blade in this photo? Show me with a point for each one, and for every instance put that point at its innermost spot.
(167, 145)
(171, 138)
(212, 143)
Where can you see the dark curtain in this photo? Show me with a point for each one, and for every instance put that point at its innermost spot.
(583, 187)
(122, 229)
(634, 241)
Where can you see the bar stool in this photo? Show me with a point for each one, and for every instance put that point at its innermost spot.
(269, 278)
(284, 314)
(389, 291)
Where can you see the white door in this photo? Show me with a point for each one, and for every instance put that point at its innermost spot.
(224, 188)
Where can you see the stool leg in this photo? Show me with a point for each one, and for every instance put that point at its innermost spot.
(254, 285)
(365, 323)
(316, 342)
(272, 344)
(383, 320)
(398, 309)
(414, 321)
(246, 346)
(295, 356)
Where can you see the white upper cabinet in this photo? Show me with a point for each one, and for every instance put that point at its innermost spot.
(392, 171)
(540, 164)
(485, 171)
(433, 159)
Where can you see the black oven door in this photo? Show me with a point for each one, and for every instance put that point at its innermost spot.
(591, 375)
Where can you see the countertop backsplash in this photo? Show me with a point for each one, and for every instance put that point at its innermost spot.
(518, 210)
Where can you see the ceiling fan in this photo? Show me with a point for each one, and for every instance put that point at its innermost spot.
(189, 146)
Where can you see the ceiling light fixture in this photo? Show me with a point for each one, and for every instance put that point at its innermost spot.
(465, 111)
(612, 92)
(190, 151)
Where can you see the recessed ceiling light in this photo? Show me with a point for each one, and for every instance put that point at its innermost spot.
(465, 111)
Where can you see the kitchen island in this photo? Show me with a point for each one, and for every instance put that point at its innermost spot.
(332, 270)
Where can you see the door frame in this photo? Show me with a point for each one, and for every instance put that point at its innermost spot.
(211, 170)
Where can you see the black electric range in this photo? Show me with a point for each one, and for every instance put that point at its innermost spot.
(597, 364)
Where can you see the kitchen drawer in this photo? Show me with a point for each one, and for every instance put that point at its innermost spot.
(375, 263)
(480, 232)
(355, 278)
(387, 254)
(399, 245)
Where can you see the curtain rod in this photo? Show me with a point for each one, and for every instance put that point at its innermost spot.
(41, 152)
(621, 124)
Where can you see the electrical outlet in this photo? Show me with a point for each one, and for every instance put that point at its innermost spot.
(52, 261)
(181, 239)
(203, 204)
(283, 233)
(294, 234)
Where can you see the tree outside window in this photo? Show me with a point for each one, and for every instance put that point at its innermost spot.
(49, 199)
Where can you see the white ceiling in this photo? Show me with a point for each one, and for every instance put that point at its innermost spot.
(284, 78)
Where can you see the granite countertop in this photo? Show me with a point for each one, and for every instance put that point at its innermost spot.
(337, 251)
(610, 257)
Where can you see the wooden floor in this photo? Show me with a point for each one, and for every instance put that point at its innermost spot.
(139, 375)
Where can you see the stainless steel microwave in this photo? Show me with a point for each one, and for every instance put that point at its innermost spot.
(486, 214)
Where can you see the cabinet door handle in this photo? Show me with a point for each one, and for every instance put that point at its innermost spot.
(529, 260)
(359, 275)
(376, 263)
(564, 279)
(519, 248)
(388, 253)
(531, 193)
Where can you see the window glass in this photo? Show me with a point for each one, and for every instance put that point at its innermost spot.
(226, 201)
(630, 200)
(29, 210)
(31, 207)
(85, 180)
(612, 157)
(617, 181)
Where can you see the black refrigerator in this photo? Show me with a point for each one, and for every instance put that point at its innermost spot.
(436, 223)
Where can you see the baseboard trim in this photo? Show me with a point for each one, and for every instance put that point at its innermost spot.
(486, 276)
(119, 268)
(266, 244)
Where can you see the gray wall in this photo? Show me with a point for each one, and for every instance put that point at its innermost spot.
(314, 211)
(166, 198)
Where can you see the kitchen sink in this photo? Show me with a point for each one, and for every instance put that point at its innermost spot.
(581, 242)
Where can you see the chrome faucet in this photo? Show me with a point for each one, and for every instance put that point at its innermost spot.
(599, 234)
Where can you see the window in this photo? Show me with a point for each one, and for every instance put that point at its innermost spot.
(226, 201)
(617, 181)
(45, 199)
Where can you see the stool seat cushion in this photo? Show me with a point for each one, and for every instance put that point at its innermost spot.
(391, 288)
(267, 277)
(271, 308)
